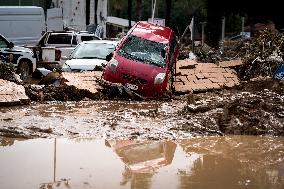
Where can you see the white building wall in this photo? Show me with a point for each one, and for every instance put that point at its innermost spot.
(78, 15)
(92, 12)
(74, 13)
(102, 14)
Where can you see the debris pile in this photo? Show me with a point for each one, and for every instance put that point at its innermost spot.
(65, 87)
(261, 55)
(203, 54)
(252, 108)
(208, 54)
(12, 94)
(232, 48)
(85, 81)
(7, 72)
(11, 90)
(42, 93)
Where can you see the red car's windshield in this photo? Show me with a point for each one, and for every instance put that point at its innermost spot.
(145, 51)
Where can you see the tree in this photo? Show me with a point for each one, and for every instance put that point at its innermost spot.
(139, 5)
(129, 13)
(168, 11)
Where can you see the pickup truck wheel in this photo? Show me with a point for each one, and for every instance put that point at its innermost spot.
(24, 69)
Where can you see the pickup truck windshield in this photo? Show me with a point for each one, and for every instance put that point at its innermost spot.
(144, 50)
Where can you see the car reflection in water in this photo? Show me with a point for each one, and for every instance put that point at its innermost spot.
(142, 159)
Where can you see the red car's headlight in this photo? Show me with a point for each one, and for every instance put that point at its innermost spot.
(113, 64)
(160, 78)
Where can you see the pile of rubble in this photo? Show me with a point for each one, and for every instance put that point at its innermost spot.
(261, 55)
(66, 86)
(252, 108)
(7, 72)
(11, 90)
(12, 94)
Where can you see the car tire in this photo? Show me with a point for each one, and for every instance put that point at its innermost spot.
(24, 69)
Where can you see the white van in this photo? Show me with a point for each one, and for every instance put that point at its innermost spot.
(23, 25)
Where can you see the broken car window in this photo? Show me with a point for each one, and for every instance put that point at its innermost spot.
(144, 50)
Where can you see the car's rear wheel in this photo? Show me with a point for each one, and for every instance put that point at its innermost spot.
(24, 69)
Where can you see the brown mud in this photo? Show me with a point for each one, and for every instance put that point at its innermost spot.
(252, 108)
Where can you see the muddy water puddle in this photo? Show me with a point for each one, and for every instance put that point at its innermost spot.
(205, 162)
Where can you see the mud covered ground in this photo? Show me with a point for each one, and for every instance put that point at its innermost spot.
(252, 108)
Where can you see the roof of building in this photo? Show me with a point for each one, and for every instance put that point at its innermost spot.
(20, 10)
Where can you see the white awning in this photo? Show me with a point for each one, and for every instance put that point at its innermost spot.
(121, 22)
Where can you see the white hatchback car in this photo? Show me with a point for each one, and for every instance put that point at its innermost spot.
(89, 55)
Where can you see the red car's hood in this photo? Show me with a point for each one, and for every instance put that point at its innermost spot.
(138, 69)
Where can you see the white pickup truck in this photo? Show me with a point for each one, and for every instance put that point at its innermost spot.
(55, 46)
(22, 58)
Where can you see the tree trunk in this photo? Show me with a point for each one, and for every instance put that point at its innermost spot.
(139, 9)
(168, 11)
(129, 13)
(214, 20)
(156, 15)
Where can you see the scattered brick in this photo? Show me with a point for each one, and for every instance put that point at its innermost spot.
(83, 80)
(205, 76)
(229, 75)
(191, 77)
(214, 86)
(214, 79)
(229, 84)
(230, 63)
(199, 76)
(185, 71)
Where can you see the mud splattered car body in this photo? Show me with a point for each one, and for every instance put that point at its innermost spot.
(144, 61)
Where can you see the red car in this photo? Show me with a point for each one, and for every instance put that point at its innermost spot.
(144, 61)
